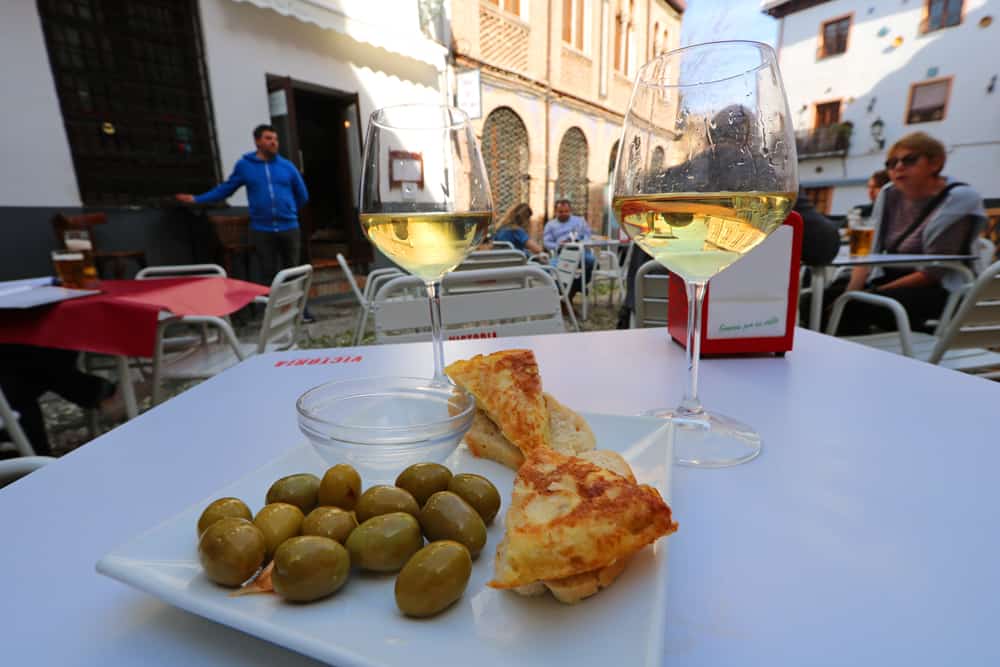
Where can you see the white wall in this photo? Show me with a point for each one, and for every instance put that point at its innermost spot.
(872, 67)
(38, 169)
(244, 43)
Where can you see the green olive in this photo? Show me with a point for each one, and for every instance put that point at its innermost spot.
(478, 492)
(309, 567)
(423, 480)
(433, 579)
(278, 522)
(447, 517)
(300, 490)
(231, 550)
(383, 500)
(384, 543)
(331, 522)
(220, 509)
(341, 487)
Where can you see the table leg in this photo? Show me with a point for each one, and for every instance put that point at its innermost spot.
(128, 391)
(583, 278)
(817, 275)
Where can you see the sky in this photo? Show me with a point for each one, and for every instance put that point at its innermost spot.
(714, 20)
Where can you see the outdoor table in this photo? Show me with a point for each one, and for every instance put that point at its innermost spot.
(863, 534)
(845, 259)
(122, 320)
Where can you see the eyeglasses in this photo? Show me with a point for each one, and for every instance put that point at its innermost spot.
(906, 160)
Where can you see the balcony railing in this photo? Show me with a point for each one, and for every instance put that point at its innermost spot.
(833, 140)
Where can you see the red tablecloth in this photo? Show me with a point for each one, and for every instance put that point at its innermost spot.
(123, 318)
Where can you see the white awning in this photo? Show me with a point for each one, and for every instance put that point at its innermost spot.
(325, 14)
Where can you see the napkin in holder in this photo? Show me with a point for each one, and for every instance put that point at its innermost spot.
(751, 307)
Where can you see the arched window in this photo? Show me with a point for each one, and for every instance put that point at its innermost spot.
(613, 158)
(505, 152)
(656, 161)
(571, 183)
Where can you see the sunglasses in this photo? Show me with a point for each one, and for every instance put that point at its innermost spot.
(906, 161)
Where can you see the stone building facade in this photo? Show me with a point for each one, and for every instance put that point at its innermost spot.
(556, 77)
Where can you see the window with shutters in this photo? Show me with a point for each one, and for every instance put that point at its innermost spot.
(624, 59)
(571, 182)
(512, 6)
(505, 152)
(941, 14)
(827, 114)
(928, 101)
(130, 77)
(821, 198)
(575, 24)
(833, 36)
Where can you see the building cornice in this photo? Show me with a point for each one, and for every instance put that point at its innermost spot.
(782, 8)
(517, 81)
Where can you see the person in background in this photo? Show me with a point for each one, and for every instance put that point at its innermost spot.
(921, 212)
(875, 183)
(568, 228)
(513, 230)
(275, 195)
(27, 372)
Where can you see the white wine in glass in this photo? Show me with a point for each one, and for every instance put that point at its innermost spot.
(425, 197)
(706, 170)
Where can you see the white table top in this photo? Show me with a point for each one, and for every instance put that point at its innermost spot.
(864, 534)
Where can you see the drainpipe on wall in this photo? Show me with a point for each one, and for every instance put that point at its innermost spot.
(548, 101)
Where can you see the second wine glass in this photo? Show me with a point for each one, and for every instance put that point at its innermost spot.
(706, 170)
(425, 197)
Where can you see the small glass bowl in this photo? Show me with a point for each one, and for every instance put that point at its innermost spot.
(381, 425)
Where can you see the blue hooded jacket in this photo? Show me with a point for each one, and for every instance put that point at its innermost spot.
(275, 192)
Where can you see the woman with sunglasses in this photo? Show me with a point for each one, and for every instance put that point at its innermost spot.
(918, 212)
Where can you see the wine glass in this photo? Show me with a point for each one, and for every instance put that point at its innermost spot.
(706, 170)
(425, 197)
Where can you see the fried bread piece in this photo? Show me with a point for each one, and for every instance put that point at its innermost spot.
(569, 516)
(570, 434)
(508, 388)
(570, 590)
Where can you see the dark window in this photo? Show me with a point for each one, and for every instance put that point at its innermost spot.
(572, 183)
(834, 37)
(131, 82)
(928, 101)
(820, 198)
(505, 152)
(942, 14)
(827, 114)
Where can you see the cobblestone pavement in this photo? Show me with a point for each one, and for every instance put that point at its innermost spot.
(334, 327)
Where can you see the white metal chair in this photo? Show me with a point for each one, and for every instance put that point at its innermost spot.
(607, 270)
(492, 259)
(180, 271)
(374, 280)
(983, 249)
(12, 470)
(962, 337)
(278, 331)
(512, 301)
(10, 424)
(652, 294)
(503, 245)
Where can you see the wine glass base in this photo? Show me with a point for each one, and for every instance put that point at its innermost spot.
(710, 440)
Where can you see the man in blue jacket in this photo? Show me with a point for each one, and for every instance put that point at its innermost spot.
(275, 192)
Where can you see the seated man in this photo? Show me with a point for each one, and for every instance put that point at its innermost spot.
(568, 228)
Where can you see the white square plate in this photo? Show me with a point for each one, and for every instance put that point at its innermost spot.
(360, 626)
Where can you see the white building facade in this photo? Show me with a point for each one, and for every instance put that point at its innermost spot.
(96, 124)
(860, 74)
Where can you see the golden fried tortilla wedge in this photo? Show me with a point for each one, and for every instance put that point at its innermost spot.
(568, 516)
(508, 388)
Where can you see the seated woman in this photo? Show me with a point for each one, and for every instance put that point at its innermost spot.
(920, 212)
(513, 230)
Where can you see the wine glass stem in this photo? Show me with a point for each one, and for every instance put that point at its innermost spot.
(434, 299)
(690, 405)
